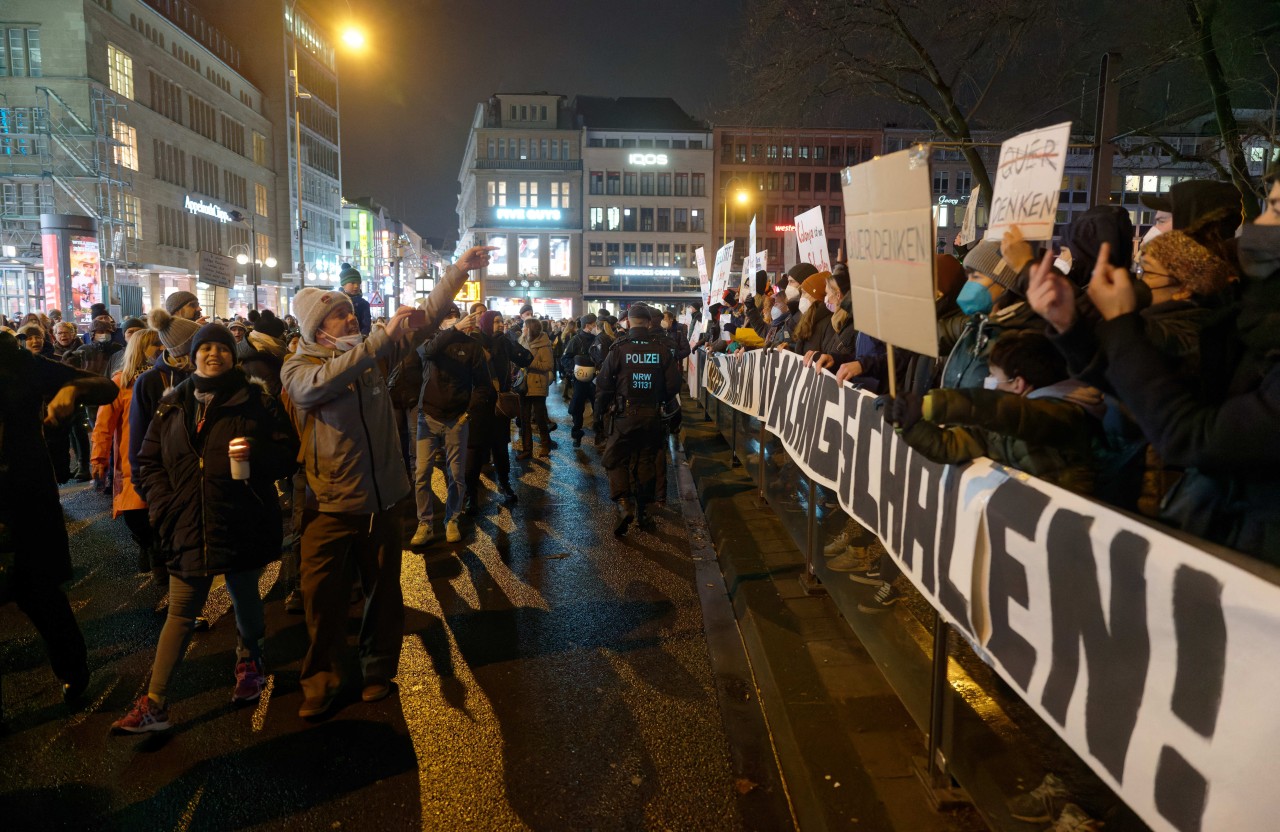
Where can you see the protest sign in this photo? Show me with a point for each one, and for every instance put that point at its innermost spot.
(969, 227)
(720, 272)
(1151, 655)
(789, 254)
(704, 280)
(748, 263)
(1028, 179)
(811, 237)
(889, 227)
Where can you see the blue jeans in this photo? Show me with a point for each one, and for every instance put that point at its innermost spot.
(432, 436)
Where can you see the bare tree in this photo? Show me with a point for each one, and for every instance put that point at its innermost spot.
(950, 62)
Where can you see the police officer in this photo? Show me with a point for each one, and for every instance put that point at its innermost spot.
(637, 383)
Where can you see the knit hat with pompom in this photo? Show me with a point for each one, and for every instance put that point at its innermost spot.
(175, 333)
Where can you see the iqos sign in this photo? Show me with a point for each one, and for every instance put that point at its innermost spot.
(647, 159)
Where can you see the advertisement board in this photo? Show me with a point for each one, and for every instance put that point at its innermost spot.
(86, 274)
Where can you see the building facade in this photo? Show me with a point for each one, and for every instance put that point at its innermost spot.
(387, 253)
(521, 191)
(138, 116)
(773, 174)
(649, 170)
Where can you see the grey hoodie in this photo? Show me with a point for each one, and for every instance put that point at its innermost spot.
(350, 446)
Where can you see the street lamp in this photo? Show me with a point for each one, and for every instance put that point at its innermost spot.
(353, 38)
(743, 198)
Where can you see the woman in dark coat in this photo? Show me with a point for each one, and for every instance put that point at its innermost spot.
(210, 522)
(490, 431)
(30, 511)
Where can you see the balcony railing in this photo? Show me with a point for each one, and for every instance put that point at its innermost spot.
(528, 164)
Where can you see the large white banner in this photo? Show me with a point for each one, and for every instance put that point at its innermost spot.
(811, 237)
(1155, 658)
(1028, 181)
(720, 273)
(889, 228)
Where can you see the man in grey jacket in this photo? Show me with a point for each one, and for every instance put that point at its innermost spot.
(355, 477)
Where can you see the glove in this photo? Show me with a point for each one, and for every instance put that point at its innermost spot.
(905, 410)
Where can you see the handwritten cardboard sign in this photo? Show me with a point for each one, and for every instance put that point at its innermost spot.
(889, 228)
(811, 235)
(1028, 179)
(720, 273)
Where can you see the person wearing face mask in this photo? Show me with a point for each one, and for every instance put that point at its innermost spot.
(1230, 493)
(789, 301)
(355, 477)
(991, 304)
(808, 332)
(213, 518)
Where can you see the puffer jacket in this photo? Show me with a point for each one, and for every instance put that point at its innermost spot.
(454, 372)
(970, 339)
(537, 378)
(110, 446)
(1052, 433)
(208, 522)
(340, 403)
(146, 392)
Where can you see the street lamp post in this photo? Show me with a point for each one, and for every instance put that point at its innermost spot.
(724, 198)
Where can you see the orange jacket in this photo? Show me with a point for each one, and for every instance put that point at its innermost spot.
(111, 439)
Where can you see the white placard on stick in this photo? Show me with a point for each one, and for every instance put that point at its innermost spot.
(748, 269)
(889, 230)
(969, 228)
(720, 273)
(811, 235)
(704, 279)
(1028, 179)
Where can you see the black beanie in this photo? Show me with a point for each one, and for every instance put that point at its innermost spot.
(762, 282)
(213, 332)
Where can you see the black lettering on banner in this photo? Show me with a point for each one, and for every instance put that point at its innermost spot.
(1201, 632)
(1117, 656)
(919, 524)
(782, 398)
(813, 419)
(949, 595)
(848, 446)
(826, 464)
(893, 483)
(864, 502)
(1014, 507)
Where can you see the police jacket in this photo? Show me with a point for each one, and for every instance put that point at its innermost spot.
(640, 371)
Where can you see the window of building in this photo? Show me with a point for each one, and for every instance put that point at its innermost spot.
(595, 254)
(699, 184)
(524, 113)
(674, 144)
(819, 182)
(682, 184)
(513, 111)
(628, 142)
(502, 148)
(628, 254)
(664, 219)
(697, 220)
(664, 254)
(629, 184)
(941, 179)
(493, 149)
(492, 190)
(788, 181)
(612, 254)
(20, 53)
(208, 234)
(772, 154)
(630, 217)
(264, 246)
(613, 218)
(787, 152)
(680, 255)
(833, 216)
(771, 213)
(596, 220)
(204, 177)
(611, 143)
(235, 189)
(172, 227)
(528, 194)
(559, 194)
(613, 182)
(741, 155)
(544, 149)
(125, 151)
(664, 184)
(646, 184)
(802, 152)
(964, 181)
(259, 149)
(119, 71)
(260, 199)
(497, 257)
(564, 149)
(555, 150)
(166, 97)
(646, 219)
(682, 220)
(819, 152)
(774, 181)
(806, 180)
(558, 256)
(502, 194)
(524, 148)
(597, 181)
(542, 113)
(835, 183)
(129, 212)
(646, 254)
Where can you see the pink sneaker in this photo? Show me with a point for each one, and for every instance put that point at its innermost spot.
(144, 716)
(249, 681)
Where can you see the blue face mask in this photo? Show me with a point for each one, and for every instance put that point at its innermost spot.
(974, 298)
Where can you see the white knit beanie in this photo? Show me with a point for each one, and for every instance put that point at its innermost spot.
(312, 306)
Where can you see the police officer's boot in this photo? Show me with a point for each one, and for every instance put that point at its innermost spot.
(626, 514)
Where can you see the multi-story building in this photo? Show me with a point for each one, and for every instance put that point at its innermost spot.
(386, 251)
(137, 117)
(775, 173)
(649, 170)
(521, 186)
(285, 34)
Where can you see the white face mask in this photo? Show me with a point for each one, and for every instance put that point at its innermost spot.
(102, 337)
(792, 291)
(775, 313)
(805, 303)
(347, 342)
(990, 383)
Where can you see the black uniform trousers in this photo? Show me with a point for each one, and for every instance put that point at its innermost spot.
(631, 456)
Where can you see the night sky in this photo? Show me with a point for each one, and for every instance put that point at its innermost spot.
(408, 99)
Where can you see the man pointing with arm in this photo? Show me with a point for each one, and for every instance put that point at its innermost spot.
(355, 477)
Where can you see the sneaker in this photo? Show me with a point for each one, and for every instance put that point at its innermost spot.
(293, 603)
(375, 690)
(1075, 819)
(145, 715)
(577, 441)
(848, 562)
(201, 624)
(886, 596)
(313, 706)
(249, 681)
(422, 536)
(451, 532)
(73, 689)
(626, 513)
(509, 494)
(1043, 803)
(869, 576)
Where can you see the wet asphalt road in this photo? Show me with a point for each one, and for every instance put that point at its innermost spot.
(552, 677)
